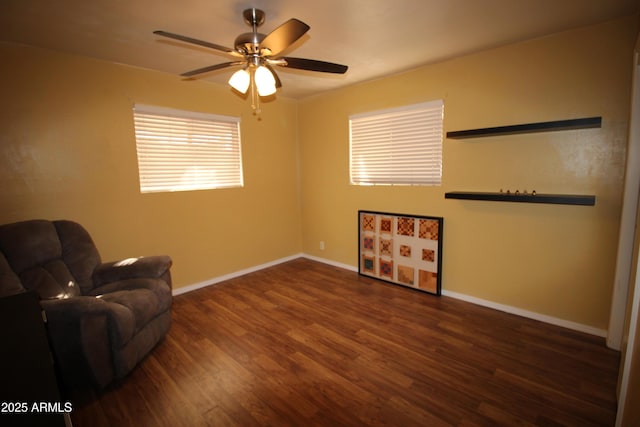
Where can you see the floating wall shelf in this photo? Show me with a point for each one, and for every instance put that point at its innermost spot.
(561, 199)
(584, 123)
(558, 199)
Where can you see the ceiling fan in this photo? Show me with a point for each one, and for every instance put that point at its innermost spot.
(257, 53)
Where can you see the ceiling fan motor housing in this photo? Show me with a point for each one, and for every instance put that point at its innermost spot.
(248, 43)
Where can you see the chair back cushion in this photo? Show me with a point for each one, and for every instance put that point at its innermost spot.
(9, 282)
(78, 252)
(35, 253)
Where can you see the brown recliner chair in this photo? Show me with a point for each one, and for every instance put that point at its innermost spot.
(103, 318)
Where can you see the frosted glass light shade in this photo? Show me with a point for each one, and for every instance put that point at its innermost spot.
(266, 90)
(240, 80)
(265, 81)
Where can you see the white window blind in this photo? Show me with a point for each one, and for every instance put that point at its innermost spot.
(400, 146)
(184, 150)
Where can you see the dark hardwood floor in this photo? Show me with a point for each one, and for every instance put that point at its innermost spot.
(306, 344)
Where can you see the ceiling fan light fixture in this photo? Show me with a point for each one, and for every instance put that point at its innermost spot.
(265, 90)
(240, 80)
(265, 81)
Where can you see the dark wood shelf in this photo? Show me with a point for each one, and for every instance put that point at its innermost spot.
(558, 199)
(583, 123)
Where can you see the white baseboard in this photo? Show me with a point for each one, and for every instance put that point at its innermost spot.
(528, 314)
(330, 262)
(213, 281)
(478, 301)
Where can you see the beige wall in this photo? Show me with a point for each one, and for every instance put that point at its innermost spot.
(67, 150)
(550, 259)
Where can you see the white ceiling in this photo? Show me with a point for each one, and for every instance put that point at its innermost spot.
(373, 37)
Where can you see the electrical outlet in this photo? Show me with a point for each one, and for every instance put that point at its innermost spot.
(322, 245)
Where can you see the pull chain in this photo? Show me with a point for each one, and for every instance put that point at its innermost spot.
(255, 98)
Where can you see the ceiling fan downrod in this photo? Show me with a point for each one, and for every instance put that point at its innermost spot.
(253, 17)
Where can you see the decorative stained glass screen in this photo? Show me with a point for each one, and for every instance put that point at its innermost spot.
(401, 249)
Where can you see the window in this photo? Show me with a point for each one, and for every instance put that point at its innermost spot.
(400, 146)
(183, 150)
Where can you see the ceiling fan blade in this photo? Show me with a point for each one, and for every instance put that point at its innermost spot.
(196, 41)
(314, 65)
(283, 36)
(211, 68)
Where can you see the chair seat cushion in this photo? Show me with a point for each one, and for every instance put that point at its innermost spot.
(133, 303)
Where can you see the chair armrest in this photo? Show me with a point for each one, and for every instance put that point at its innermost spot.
(79, 336)
(68, 309)
(132, 268)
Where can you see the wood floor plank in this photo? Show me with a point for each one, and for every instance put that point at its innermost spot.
(307, 344)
